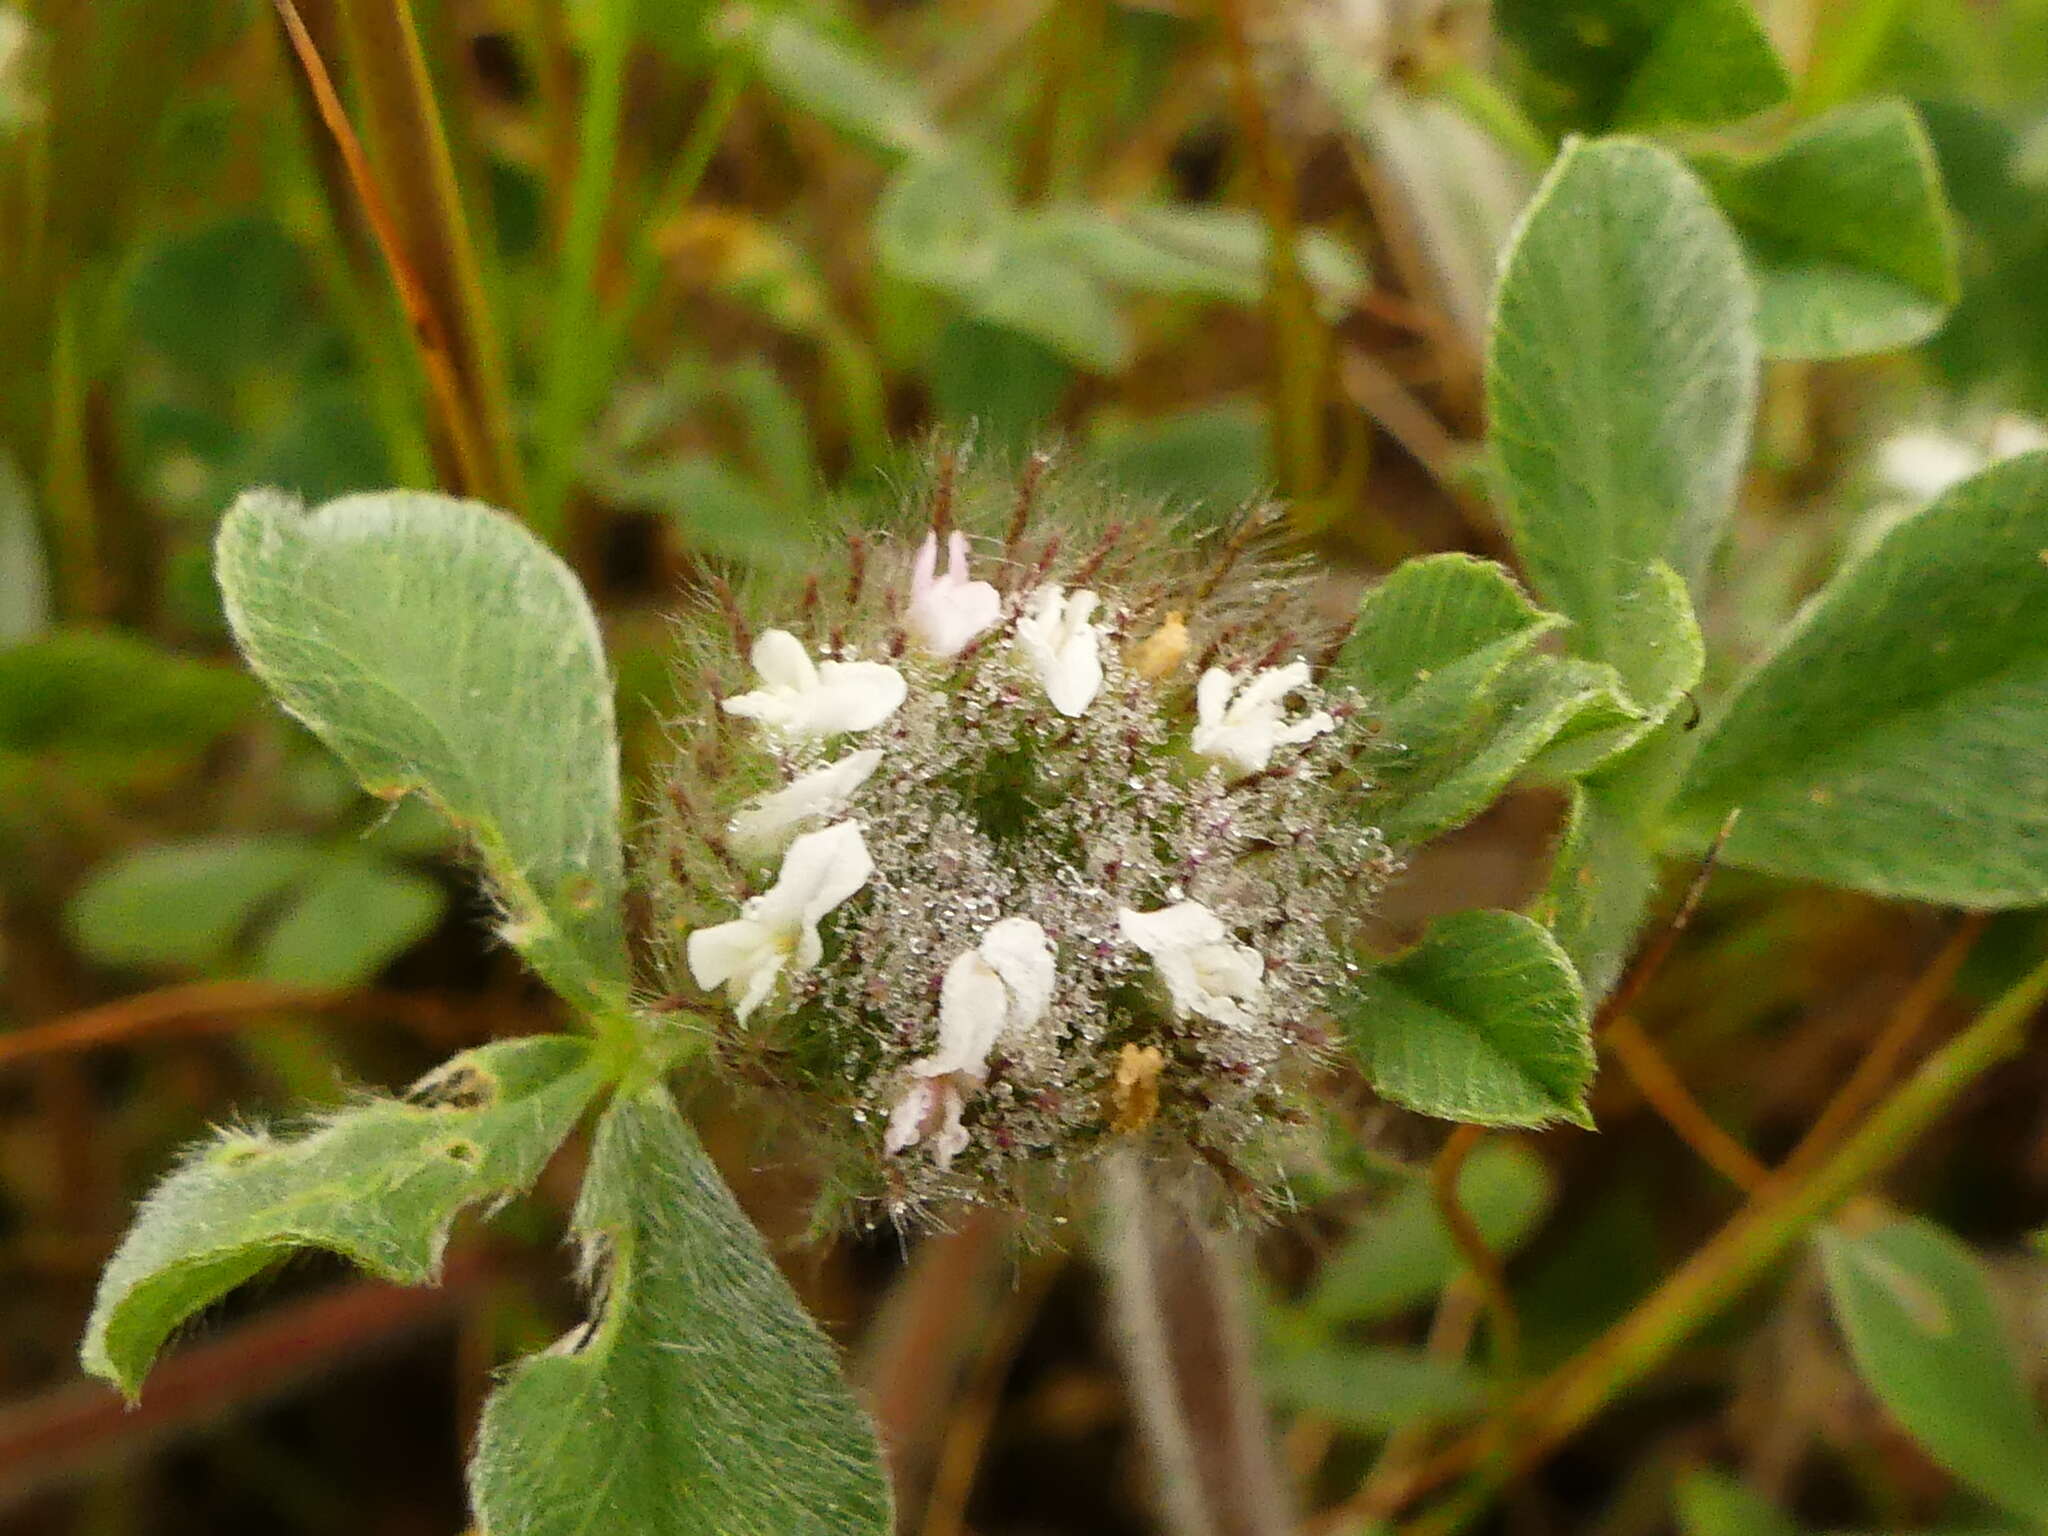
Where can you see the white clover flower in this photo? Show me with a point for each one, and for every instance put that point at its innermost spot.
(1072, 934)
(1063, 647)
(777, 931)
(997, 991)
(1240, 726)
(1207, 973)
(946, 612)
(1921, 463)
(804, 701)
(765, 827)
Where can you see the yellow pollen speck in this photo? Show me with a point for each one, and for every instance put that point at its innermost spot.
(1134, 1098)
(1160, 652)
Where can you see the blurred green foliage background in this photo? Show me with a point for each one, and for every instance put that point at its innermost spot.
(686, 284)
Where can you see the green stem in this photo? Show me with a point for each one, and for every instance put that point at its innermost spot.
(565, 398)
(1777, 1217)
(692, 160)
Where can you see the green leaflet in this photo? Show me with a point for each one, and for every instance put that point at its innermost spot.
(1620, 384)
(379, 1183)
(1483, 1021)
(1847, 230)
(1190, 250)
(1615, 64)
(1893, 740)
(1444, 648)
(700, 1399)
(946, 222)
(438, 647)
(1928, 1339)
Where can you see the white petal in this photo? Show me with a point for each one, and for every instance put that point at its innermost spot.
(1020, 953)
(1181, 926)
(973, 1006)
(1267, 690)
(765, 827)
(1228, 970)
(952, 1138)
(907, 1119)
(1212, 694)
(946, 612)
(782, 661)
(721, 953)
(743, 956)
(821, 870)
(925, 567)
(1308, 728)
(855, 696)
(800, 701)
(1064, 649)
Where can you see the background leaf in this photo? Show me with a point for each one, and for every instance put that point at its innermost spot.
(1401, 1254)
(1847, 231)
(1483, 1021)
(1928, 1339)
(821, 74)
(1611, 64)
(185, 904)
(24, 577)
(379, 1183)
(1710, 1504)
(700, 1398)
(99, 693)
(354, 917)
(1374, 1389)
(438, 647)
(1620, 386)
(1892, 741)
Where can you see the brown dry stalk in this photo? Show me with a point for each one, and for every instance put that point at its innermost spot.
(1665, 1092)
(1880, 1064)
(1479, 1256)
(200, 1006)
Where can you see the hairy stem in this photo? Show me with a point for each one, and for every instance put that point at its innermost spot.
(1177, 1295)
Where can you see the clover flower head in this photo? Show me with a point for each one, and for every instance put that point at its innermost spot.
(1083, 877)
